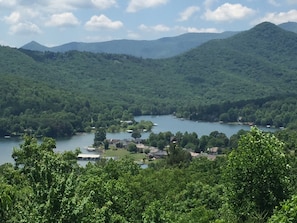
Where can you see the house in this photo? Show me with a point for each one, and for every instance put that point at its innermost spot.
(158, 154)
(213, 150)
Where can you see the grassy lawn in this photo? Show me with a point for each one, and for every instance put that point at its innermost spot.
(121, 153)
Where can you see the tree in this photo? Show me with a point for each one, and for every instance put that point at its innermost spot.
(132, 148)
(53, 179)
(287, 212)
(136, 134)
(100, 136)
(256, 175)
(178, 156)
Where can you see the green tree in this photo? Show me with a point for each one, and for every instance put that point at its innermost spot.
(177, 155)
(136, 134)
(256, 175)
(100, 136)
(287, 212)
(53, 179)
(132, 148)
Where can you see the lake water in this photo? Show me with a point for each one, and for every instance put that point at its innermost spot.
(163, 124)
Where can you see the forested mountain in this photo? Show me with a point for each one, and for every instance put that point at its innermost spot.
(249, 75)
(289, 26)
(160, 48)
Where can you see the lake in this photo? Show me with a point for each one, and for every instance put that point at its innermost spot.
(163, 124)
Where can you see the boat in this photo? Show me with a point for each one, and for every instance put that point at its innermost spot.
(91, 149)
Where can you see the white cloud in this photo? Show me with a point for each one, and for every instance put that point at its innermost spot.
(25, 14)
(63, 19)
(278, 18)
(202, 30)
(26, 28)
(156, 28)
(187, 13)
(104, 4)
(228, 12)
(102, 21)
(133, 35)
(14, 17)
(183, 29)
(136, 5)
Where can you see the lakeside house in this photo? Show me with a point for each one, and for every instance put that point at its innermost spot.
(159, 154)
(213, 150)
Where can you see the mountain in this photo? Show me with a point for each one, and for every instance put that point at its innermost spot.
(289, 26)
(221, 76)
(261, 60)
(257, 63)
(34, 46)
(161, 48)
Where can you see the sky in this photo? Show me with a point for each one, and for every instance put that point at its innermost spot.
(56, 22)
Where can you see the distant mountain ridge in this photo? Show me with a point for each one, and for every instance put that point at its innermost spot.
(289, 26)
(160, 48)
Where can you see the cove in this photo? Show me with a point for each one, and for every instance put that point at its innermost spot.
(163, 124)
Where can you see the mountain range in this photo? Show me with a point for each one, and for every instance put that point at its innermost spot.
(161, 48)
(257, 64)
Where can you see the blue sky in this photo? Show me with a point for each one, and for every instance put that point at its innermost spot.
(55, 22)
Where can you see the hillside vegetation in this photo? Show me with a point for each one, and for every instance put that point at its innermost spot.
(256, 182)
(251, 76)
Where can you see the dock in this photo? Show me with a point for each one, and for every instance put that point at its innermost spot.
(88, 157)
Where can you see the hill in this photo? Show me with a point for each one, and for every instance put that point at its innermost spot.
(216, 81)
(251, 61)
(289, 26)
(160, 48)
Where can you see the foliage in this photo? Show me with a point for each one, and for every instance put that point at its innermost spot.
(286, 213)
(58, 94)
(132, 148)
(256, 175)
(177, 156)
(248, 185)
(136, 134)
(100, 136)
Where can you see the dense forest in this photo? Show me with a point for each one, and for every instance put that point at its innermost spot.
(255, 182)
(248, 77)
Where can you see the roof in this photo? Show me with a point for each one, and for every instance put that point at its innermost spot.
(88, 156)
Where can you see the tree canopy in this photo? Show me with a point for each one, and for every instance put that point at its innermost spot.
(256, 175)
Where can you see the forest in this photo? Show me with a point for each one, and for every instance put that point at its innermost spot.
(254, 182)
(248, 78)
